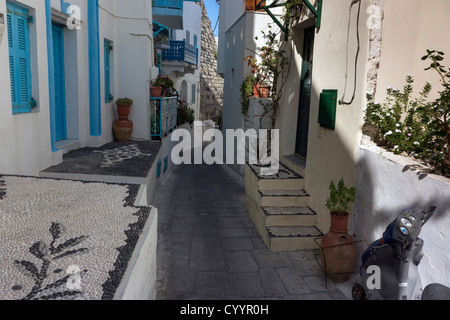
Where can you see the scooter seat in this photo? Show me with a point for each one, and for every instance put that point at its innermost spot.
(436, 291)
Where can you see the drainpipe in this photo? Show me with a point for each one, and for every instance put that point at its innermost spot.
(94, 70)
(51, 72)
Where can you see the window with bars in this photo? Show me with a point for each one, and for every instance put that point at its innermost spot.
(19, 58)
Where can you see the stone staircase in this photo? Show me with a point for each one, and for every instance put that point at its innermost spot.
(279, 208)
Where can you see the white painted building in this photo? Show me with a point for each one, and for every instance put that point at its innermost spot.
(180, 58)
(78, 58)
(187, 80)
(238, 30)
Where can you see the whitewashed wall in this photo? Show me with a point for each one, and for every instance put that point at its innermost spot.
(128, 25)
(27, 150)
(25, 138)
(386, 186)
(192, 22)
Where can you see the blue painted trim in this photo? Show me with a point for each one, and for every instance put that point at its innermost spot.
(166, 163)
(107, 68)
(158, 169)
(51, 73)
(161, 28)
(60, 106)
(19, 51)
(64, 6)
(95, 104)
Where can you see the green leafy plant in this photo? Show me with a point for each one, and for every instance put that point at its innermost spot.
(340, 199)
(124, 102)
(268, 69)
(415, 126)
(185, 114)
(246, 92)
(295, 9)
(164, 82)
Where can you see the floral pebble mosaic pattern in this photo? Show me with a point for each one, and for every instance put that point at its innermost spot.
(65, 239)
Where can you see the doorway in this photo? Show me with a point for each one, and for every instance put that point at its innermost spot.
(305, 93)
(60, 86)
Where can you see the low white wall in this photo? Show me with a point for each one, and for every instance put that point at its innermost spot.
(140, 279)
(386, 185)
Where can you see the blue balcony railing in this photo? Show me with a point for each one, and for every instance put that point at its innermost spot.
(174, 4)
(163, 115)
(182, 52)
(168, 13)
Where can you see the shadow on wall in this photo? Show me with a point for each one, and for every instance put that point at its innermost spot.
(385, 188)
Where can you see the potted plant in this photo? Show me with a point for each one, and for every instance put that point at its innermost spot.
(260, 87)
(339, 204)
(338, 247)
(123, 127)
(160, 86)
(124, 107)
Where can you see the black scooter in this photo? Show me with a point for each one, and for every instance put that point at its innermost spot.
(389, 269)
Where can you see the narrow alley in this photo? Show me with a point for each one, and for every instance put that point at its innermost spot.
(208, 248)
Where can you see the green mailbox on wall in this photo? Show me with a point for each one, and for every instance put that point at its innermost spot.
(327, 109)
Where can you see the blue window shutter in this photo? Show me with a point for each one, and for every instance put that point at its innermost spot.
(108, 48)
(194, 93)
(195, 40)
(19, 58)
(11, 59)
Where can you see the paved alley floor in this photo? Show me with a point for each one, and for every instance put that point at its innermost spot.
(209, 249)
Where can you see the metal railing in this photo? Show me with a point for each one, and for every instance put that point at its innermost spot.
(163, 115)
(182, 52)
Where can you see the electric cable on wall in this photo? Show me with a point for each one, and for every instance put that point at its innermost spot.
(342, 100)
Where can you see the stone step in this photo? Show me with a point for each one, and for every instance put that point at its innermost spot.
(295, 163)
(289, 216)
(284, 198)
(293, 238)
(285, 179)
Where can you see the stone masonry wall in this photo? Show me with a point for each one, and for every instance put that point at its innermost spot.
(211, 83)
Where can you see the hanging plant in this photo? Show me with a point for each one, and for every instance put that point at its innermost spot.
(295, 10)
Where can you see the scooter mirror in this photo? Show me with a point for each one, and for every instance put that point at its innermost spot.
(428, 213)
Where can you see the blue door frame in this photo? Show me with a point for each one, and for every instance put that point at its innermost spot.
(60, 87)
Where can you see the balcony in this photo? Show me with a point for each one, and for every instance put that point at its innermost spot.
(181, 57)
(169, 13)
(163, 115)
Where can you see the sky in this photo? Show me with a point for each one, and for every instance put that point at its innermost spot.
(213, 12)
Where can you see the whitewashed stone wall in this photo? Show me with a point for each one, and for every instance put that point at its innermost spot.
(388, 184)
(258, 117)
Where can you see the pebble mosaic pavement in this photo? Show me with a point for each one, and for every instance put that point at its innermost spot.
(57, 232)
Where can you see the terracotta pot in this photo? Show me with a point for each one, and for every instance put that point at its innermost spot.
(338, 223)
(264, 91)
(338, 250)
(123, 112)
(260, 91)
(123, 130)
(256, 90)
(157, 92)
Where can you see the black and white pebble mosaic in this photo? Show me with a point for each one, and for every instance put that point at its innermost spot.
(65, 239)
